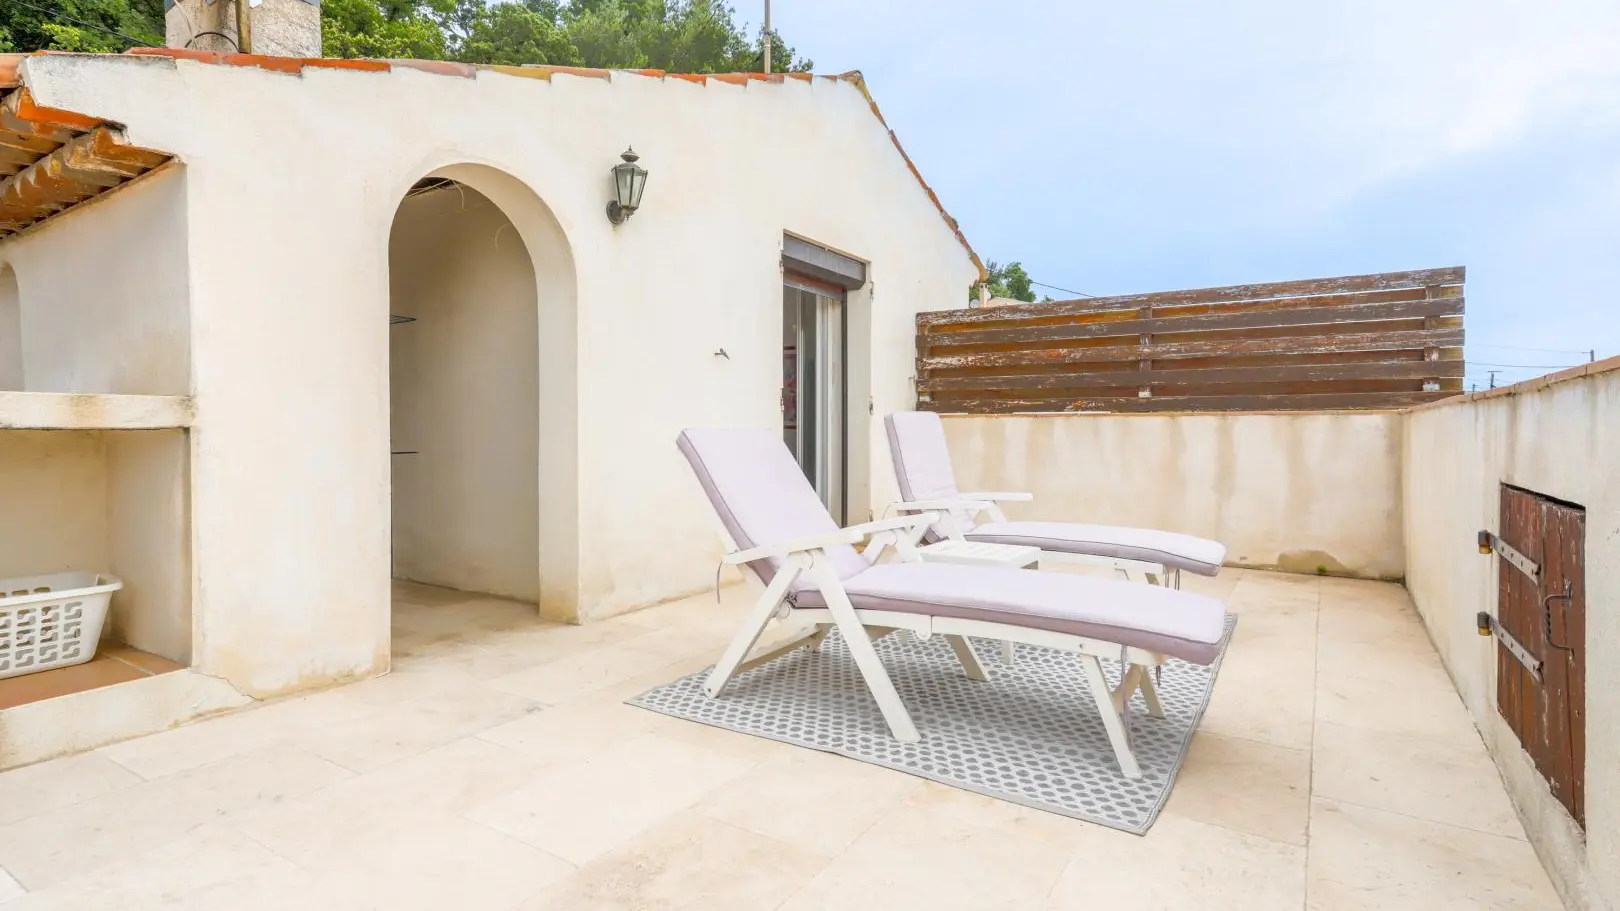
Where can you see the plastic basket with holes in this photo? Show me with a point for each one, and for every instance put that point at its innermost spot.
(51, 621)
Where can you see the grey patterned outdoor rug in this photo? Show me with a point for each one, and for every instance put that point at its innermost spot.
(1030, 734)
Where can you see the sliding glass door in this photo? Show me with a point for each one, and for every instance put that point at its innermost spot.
(813, 386)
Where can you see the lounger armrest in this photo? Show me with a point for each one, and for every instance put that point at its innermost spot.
(854, 534)
(920, 520)
(977, 504)
(1000, 497)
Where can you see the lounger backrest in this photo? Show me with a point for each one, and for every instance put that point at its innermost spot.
(762, 496)
(922, 461)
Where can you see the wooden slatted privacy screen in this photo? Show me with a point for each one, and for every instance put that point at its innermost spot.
(1360, 341)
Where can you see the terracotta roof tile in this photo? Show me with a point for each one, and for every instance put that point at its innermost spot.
(437, 67)
(9, 64)
(57, 159)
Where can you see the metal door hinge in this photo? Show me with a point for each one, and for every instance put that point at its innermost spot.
(1489, 626)
(1489, 542)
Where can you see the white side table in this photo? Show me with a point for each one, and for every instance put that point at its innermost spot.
(975, 553)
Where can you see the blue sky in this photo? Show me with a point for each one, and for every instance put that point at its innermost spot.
(1121, 147)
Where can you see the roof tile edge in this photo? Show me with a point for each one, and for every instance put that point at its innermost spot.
(1535, 384)
(10, 78)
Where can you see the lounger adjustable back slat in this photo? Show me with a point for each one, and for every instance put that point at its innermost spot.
(761, 495)
(922, 461)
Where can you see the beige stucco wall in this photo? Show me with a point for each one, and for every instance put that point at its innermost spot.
(1562, 440)
(107, 502)
(291, 185)
(464, 397)
(148, 540)
(54, 487)
(103, 294)
(1300, 492)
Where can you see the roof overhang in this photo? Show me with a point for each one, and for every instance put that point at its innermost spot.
(53, 160)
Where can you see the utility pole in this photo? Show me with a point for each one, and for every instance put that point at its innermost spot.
(244, 27)
(1493, 374)
(767, 39)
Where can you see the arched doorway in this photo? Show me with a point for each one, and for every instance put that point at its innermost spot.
(11, 347)
(480, 374)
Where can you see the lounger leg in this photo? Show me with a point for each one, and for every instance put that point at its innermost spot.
(860, 648)
(758, 617)
(822, 629)
(969, 661)
(1118, 737)
(1008, 651)
(791, 645)
(1150, 693)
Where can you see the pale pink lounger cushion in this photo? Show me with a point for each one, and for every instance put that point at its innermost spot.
(922, 465)
(762, 497)
(1176, 623)
(1199, 555)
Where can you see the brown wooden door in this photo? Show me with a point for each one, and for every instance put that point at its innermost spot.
(1548, 715)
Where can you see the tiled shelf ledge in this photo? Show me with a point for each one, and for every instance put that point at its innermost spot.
(73, 411)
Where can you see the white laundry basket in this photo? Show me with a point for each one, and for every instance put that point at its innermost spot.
(51, 621)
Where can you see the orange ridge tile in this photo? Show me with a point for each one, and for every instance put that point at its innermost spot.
(345, 63)
(10, 77)
(438, 67)
(275, 64)
(33, 113)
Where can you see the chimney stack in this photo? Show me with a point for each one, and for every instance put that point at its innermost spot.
(278, 28)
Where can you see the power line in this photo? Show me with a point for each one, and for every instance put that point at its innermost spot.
(139, 42)
(1064, 290)
(1537, 350)
(1523, 366)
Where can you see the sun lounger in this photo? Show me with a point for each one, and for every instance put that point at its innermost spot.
(778, 530)
(922, 465)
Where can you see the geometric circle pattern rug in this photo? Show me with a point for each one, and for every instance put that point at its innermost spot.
(1030, 734)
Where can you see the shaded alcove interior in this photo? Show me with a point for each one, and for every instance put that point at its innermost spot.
(464, 396)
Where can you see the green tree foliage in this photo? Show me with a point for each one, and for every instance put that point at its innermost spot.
(686, 36)
(1008, 281)
(514, 34)
(384, 28)
(80, 25)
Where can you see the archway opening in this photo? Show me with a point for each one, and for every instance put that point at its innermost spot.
(464, 400)
(11, 345)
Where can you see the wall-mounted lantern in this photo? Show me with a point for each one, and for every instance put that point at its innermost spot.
(629, 179)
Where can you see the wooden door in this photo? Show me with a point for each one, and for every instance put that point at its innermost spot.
(1546, 612)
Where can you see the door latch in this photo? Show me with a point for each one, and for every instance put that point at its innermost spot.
(1546, 614)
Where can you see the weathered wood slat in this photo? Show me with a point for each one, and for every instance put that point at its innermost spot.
(1338, 401)
(1395, 370)
(1359, 341)
(1422, 278)
(1214, 322)
(1114, 312)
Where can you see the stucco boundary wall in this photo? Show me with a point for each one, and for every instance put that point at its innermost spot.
(1560, 436)
(1299, 492)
